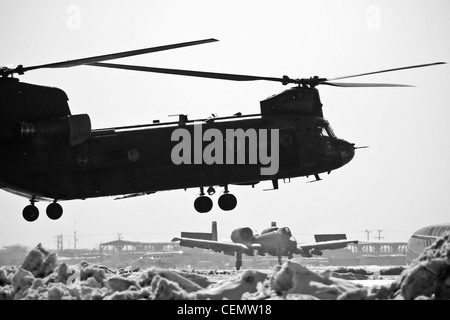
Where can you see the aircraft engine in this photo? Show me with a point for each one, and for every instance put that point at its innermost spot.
(316, 252)
(75, 129)
(242, 235)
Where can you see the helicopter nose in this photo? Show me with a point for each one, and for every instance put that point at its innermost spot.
(347, 151)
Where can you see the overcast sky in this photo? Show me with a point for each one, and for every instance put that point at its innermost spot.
(398, 185)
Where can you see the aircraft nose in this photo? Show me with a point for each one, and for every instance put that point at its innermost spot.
(347, 151)
(292, 244)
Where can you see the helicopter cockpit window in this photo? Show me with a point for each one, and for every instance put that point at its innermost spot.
(325, 130)
(330, 131)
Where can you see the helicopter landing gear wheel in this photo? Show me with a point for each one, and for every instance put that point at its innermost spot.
(54, 211)
(203, 204)
(227, 202)
(30, 212)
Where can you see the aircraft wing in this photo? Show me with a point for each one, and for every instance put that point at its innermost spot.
(217, 246)
(424, 237)
(324, 245)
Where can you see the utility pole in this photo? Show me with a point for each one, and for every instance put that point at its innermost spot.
(379, 235)
(59, 242)
(368, 232)
(74, 236)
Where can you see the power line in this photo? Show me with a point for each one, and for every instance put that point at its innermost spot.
(379, 235)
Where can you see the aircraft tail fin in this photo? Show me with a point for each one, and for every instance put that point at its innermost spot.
(329, 237)
(202, 235)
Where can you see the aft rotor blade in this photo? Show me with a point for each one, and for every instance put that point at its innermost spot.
(363, 85)
(89, 60)
(191, 73)
(387, 70)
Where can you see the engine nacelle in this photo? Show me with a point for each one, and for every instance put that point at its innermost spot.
(242, 235)
(75, 129)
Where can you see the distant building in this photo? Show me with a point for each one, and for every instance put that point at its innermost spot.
(121, 253)
(370, 253)
(13, 255)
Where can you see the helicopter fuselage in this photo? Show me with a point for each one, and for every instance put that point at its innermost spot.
(122, 161)
(53, 155)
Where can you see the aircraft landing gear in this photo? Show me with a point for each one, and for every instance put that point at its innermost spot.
(279, 259)
(203, 204)
(238, 260)
(54, 211)
(30, 212)
(227, 201)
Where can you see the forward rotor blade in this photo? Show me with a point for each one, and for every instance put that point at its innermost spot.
(363, 85)
(89, 60)
(387, 70)
(201, 74)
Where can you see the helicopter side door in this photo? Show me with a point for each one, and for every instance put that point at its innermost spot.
(288, 150)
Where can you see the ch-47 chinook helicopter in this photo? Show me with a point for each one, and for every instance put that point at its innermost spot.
(49, 154)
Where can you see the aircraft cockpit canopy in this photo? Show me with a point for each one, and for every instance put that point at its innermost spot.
(269, 230)
(285, 230)
(324, 128)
